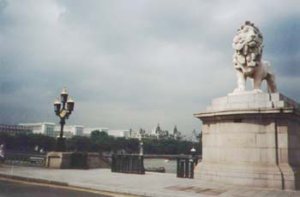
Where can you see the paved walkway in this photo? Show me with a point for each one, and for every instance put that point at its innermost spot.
(150, 184)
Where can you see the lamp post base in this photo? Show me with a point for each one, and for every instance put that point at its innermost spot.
(60, 144)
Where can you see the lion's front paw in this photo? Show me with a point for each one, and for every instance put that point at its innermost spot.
(257, 90)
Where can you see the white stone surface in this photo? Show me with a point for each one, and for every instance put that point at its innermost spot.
(247, 59)
(251, 100)
(251, 139)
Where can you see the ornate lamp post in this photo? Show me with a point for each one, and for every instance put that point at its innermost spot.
(193, 153)
(141, 146)
(63, 109)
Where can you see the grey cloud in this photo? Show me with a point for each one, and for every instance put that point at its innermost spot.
(282, 46)
(132, 63)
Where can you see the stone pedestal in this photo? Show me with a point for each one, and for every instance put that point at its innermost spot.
(58, 160)
(75, 160)
(251, 139)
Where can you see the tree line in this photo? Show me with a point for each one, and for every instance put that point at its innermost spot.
(97, 142)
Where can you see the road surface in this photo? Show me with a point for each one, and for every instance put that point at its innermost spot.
(11, 188)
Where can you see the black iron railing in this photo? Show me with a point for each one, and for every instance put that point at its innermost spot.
(185, 166)
(25, 158)
(128, 163)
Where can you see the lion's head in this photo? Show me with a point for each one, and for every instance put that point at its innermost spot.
(248, 46)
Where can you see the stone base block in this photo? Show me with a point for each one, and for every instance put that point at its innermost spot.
(250, 100)
(267, 176)
(74, 160)
(251, 139)
(60, 160)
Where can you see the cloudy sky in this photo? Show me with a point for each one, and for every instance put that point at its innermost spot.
(134, 63)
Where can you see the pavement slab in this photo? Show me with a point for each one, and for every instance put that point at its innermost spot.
(150, 184)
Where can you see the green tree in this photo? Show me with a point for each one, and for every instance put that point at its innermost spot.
(101, 141)
(169, 146)
(79, 143)
(24, 142)
(98, 134)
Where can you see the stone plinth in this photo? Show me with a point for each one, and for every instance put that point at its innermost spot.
(251, 139)
(75, 160)
(58, 160)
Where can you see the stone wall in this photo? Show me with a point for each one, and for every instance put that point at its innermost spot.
(78, 160)
(251, 139)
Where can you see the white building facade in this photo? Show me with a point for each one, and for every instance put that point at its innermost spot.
(119, 133)
(53, 130)
(70, 130)
(45, 128)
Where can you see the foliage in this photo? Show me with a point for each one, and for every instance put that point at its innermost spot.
(79, 143)
(169, 146)
(24, 142)
(99, 141)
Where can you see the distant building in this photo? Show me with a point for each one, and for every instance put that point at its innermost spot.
(161, 134)
(53, 130)
(156, 133)
(70, 130)
(176, 134)
(46, 128)
(119, 133)
(14, 129)
(134, 134)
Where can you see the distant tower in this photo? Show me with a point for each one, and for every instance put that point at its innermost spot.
(142, 132)
(158, 129)
(175, 131)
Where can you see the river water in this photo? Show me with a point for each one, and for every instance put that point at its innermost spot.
(169, 165)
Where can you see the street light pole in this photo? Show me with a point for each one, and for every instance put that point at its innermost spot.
(141, 146)
(63, 108)
(194, 157)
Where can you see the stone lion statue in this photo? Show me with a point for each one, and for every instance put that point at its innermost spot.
(247, 59)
